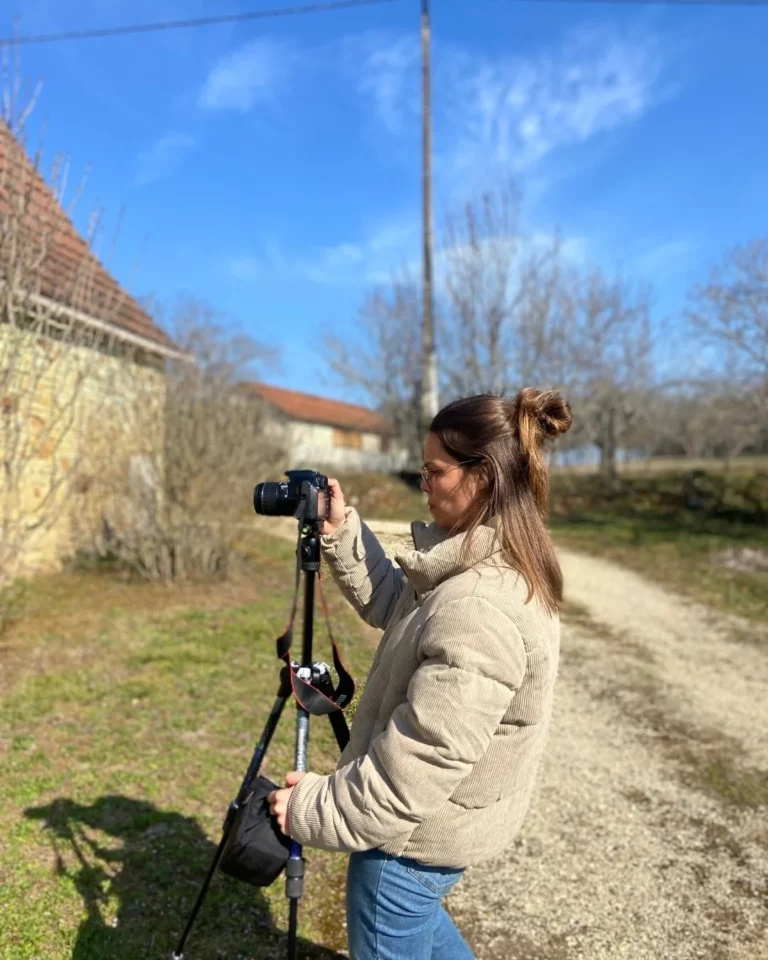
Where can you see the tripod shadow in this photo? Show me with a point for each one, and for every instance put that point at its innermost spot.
(138, 870)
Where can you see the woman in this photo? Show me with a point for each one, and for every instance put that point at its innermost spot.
(449, 732)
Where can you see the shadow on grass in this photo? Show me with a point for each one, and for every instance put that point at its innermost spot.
(138, 870)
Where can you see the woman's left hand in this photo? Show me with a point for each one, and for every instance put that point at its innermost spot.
(278, 800)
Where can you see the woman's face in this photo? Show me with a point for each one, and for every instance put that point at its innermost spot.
(451, 488)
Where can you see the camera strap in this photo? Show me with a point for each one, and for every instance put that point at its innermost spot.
(308, 697)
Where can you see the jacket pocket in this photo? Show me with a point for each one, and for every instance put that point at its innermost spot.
(483, 785)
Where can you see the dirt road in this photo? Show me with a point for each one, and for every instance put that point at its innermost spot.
(648, 836)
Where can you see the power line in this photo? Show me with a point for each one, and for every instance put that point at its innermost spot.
(328, 7)
(312, 8)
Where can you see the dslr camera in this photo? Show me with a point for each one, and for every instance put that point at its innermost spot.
(304, 495)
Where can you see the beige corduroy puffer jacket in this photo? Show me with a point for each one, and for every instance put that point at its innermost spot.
(450, 729)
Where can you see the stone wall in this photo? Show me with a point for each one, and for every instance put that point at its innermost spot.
(75, 418)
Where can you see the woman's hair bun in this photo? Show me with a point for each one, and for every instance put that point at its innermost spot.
(548, 407)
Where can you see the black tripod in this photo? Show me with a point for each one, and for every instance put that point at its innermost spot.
(312, 686)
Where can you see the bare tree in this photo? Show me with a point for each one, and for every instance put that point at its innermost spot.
(519, 314)
(513, 313)
(703, 417)
(499, 288)
(607, 332)
(386, 363)
(497, 329)
(177, 510)
(730, 312)
(731, 309)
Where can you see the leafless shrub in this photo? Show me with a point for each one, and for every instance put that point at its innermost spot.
(177, 510)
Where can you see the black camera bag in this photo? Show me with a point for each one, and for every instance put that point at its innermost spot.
(256, 850)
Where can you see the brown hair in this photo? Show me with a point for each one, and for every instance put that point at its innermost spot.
(507, 437)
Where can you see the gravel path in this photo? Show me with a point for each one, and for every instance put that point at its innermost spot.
(648, 836)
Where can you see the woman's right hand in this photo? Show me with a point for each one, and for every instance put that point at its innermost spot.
(337, 513)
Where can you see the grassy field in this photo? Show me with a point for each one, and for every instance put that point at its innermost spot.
(682, 558)
(129, 714)
(700, 534)
(738, 466)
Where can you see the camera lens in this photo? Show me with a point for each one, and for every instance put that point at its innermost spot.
(269, 499)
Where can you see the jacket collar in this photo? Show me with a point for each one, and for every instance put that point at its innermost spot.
(438, 556)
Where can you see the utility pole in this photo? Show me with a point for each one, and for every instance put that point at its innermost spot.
(429, 399)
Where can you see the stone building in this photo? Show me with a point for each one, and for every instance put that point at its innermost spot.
(81, 375)
(318, 432)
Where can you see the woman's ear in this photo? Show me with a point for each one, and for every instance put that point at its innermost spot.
(483, 475)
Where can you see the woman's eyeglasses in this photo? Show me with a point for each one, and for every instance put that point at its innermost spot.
(428, 472)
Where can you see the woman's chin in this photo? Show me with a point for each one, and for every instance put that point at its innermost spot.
(439, 519)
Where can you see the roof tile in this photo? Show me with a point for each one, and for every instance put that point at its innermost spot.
(313, 409)
(70, 274)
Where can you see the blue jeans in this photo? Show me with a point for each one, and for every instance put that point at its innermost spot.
(394, 910)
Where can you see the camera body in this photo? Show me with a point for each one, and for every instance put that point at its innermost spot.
(304, 495)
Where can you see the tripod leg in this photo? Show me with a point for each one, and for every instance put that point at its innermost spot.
(253, 769)
(294, 869)
(266, 737)
(178, 953)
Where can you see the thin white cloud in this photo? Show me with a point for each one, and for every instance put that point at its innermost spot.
(246, 77)
(371, 260)
(387, 251)
(385, 67)
(162, 157)
(511, 112)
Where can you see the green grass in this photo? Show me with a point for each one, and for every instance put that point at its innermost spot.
(659, 528)
(678, 465)
(129, 716)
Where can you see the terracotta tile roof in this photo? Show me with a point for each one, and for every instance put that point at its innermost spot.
(69, 273)
(313, 409)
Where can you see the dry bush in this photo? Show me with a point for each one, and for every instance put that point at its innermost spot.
(177, 509)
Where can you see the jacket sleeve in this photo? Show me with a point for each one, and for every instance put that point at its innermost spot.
(365, 575)
(472, 662)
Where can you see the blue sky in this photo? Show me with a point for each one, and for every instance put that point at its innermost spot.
(273, 168)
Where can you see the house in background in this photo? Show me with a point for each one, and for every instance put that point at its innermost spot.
(318, 432)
